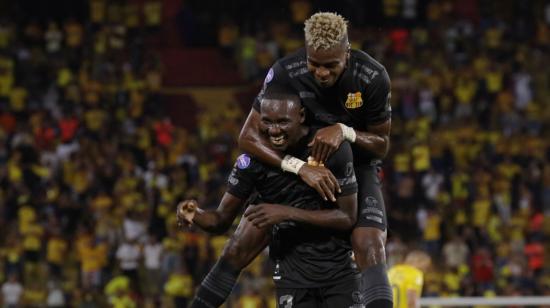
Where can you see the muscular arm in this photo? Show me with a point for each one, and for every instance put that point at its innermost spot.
(216, 221)
(376, 139)
(251, 142)
(343, 218)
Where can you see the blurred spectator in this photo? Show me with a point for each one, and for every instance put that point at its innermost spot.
(118, 293)
(12, 292)
(90, 155)
(482, 269)
(56, 297)
(152, 253)
(456, 252)
(128, 255)
(180, 287)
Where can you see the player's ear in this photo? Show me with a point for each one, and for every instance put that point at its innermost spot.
(302, 115)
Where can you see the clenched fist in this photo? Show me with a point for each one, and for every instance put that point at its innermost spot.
(186, 212)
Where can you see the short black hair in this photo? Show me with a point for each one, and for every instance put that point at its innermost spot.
(281, 92)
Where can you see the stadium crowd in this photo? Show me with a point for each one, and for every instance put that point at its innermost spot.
(92, 166)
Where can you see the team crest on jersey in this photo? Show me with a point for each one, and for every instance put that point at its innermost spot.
(243, 161)
(354, 100)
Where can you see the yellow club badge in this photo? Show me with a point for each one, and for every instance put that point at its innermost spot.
(354, 100)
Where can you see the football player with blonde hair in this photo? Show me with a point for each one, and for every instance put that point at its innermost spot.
(407, 279)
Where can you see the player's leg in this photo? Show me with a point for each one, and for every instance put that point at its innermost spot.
(369, 237)
(345, 294)
(243, 246)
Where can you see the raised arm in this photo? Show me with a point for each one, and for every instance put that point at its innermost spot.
(214, 221)
(376, 139)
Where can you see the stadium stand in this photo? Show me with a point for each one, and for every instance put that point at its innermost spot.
(112, 111)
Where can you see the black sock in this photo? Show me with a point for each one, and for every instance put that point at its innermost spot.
(375, 287)
(216, 287)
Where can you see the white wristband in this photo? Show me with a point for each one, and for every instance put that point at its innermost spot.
(348, 132)
(292, 164)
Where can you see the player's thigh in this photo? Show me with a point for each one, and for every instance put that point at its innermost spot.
(370, 200)
(245, 244)
(296, 298)
(345, 294)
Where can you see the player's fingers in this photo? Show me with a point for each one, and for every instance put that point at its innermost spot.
(330, 183)
(316, 151)
(320, 191)
(331, 149)
(251, 216)
(183, 209)
(259, 221)
(249, 210)
(335, 182)
(255, 215)
(325, 152)
(187, 204)
(320, 153)
(328, 191)
(265, 223)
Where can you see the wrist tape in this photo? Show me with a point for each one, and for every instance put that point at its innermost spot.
(292, 164)
(348, 133)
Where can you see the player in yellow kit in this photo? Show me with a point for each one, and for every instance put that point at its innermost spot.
(407, 278)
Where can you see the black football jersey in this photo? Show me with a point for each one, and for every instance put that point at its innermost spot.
(361, 97)
(304, 256)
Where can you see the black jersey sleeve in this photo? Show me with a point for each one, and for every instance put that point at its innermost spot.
(276, 75)
(243, 178)
(377, 99)
(341, 165)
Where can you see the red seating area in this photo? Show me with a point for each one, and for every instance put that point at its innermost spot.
(183, 110)
(197, 67)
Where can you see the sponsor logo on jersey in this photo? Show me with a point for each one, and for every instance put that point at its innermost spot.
(373, 210)
(354, 100)
(243, 161)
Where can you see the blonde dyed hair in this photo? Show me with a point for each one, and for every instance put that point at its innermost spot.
(325, 30)
(418, 259)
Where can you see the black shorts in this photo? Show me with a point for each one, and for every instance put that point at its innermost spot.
(371, 207)
(342, 295)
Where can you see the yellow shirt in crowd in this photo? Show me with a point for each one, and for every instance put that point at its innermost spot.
(56, 249)
(403, 278)
(179, 285)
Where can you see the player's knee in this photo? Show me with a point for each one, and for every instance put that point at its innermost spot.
(368, 246)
